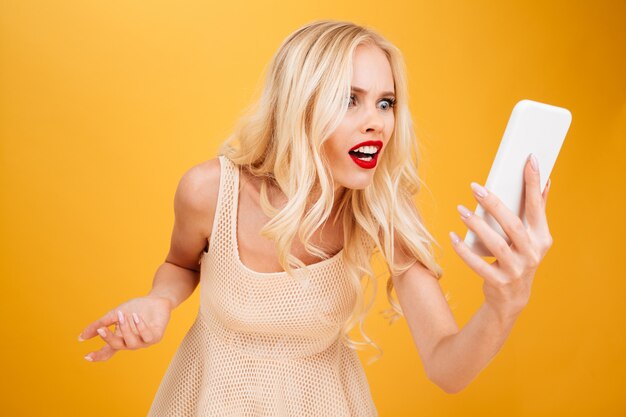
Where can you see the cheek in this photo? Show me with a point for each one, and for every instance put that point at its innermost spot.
(389, 128)
(337, 152)
(331, 151)
(335, 145)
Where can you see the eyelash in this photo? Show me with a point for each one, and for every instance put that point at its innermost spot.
(391, 101)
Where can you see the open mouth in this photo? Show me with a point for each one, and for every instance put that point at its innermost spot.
(365, 154)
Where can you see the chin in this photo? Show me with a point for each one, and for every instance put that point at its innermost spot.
(358, 181)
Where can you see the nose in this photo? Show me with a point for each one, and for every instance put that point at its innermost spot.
(372, 120)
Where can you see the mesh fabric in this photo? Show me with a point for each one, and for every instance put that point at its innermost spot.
(264, 344)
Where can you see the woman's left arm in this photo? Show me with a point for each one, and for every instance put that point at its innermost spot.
(454, 358)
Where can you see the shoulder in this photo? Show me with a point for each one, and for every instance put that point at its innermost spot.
(197, 192)
(202, 174)
(199, 184)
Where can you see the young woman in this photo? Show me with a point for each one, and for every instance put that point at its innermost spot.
(280, 230)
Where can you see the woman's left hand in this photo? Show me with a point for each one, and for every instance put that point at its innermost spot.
(508, 280)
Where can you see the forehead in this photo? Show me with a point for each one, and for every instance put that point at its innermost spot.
(371, 69)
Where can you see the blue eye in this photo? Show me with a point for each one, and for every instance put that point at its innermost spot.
(390, 103)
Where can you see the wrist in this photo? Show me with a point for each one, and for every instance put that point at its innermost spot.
(506, 316)
(171, 301)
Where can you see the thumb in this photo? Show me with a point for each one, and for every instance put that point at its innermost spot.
(546, 191)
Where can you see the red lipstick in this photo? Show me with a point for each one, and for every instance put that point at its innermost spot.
(366, 160)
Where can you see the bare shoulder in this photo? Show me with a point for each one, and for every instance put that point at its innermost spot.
(198, 185)
(195, 203)
(197, 192)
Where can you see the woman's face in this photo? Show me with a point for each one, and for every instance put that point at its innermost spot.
(355, 147)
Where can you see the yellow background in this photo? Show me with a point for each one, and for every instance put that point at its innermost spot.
(104, 105)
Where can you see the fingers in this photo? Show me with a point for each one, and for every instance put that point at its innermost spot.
(114, 339)
(101, 355)
(91, 330)
(492, 240)
(131, 332)
(135, 331)
(510, 223)
(145, 332)
(130, 339)
(106, 352)
(475, 262)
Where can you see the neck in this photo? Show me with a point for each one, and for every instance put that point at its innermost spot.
(278, 198)
(338, 193)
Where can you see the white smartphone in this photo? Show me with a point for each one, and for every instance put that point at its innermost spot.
(535, 128)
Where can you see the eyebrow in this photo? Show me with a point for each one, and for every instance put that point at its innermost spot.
(361, 90)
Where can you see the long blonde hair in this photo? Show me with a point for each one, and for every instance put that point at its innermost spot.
(280, 140)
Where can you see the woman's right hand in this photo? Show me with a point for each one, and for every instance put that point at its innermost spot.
(139, 322)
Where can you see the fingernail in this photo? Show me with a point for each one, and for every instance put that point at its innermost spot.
(464, 211)
(80, 338)
(120, 317)
(455, 238)
(534, 163)
(87, 357)
(136, 318)
(479, 190)
(102, 332)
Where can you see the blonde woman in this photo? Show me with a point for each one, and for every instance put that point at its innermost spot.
(279, 230)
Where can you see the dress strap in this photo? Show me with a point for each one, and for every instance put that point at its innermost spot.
(221, 234)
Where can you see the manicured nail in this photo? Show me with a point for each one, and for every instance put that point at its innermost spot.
(87, 357)
(120, 317)
(136, 318)
(80, 338)
(455, 238)
(479, 190)
(534, 163)
(102, 332)
(464, 211)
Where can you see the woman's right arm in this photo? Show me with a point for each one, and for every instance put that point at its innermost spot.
(141, 322)
(194, 209)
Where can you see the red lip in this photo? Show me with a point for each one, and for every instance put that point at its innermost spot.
(377, 143)
(367, 164)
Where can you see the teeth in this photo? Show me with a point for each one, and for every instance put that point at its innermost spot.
(367, 149)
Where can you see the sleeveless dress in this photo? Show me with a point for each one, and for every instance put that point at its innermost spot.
(264, 344)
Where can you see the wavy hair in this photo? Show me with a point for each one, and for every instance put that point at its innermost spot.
(280, 139)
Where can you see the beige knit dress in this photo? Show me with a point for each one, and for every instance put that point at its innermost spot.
(264, 344)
